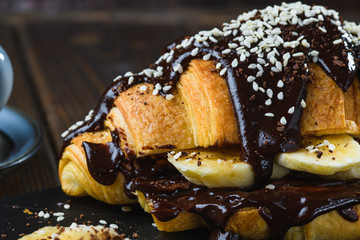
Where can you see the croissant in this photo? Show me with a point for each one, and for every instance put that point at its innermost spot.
(218, 119)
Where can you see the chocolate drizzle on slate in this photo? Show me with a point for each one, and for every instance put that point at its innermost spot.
(262, 88)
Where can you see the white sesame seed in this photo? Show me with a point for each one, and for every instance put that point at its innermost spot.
(188, 160)
(268, 102)
(102, 222)
(331, 147)
(252, 66)
(291, 110)
(227, 33)
(283, 120)
(153, 224)
(298, 54)
(194, 52)
(130, 80)
(269, 114)
(114, 226)
(67, 206)
(313, 150)
(233, 45)
(46, 215)
(255, 86)
(41, 214)
(242, 57)
(148, 72)
(259, 73)
(308, 148)
(60, 218)
(250, 78)
(143, 88)
(226, 51)
(269, 92)
(337, 41)
(323, 29)
(305, 43)
(206, 57)
(168, 59)
(128, 74)
(279, 66)
(270, 187)
(177, 155)
(280, 84)
(218, 65)
(155, 92)
(261, 61)
(315, 59)
(262, 89)
(58, 214)
(219, 161)
(259, 67)
(254, 49)
(166, 88)
(234, 63)
(314, 53)
(158, 86)
(64, 134)
(274, 69)
(211, 38)
(169, 97)
(117, 78)
(280, 96)
(158, 74)
(303, 103)
(126, 208)
(179, 68)
(223, 71)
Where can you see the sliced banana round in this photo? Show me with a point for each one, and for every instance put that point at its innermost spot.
(325, 155)
(217, 167)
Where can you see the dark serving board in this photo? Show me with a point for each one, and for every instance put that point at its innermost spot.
(136, 224)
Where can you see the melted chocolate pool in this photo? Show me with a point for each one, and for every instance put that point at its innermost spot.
(264, 58)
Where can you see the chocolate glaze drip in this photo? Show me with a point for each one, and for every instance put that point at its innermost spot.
(265, 129)
(349, 214)
(294, 201)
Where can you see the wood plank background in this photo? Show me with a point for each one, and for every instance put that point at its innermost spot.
(66, 52)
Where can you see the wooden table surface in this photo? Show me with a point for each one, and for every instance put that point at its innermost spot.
(63, 60)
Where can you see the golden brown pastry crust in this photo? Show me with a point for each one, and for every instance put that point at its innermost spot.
(201, 115)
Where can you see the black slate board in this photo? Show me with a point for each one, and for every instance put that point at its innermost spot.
(13, 220)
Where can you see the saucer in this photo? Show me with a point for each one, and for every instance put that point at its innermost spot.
(20, 138)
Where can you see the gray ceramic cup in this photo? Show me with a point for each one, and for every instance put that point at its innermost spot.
(6, 78)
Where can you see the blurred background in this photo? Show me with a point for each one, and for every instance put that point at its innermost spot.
(66, 52)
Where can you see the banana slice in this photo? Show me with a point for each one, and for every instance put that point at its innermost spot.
(217, 167)
(324, 155)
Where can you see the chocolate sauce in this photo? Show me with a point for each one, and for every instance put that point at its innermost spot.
(294, 201)
(263, 89)
(349, 214)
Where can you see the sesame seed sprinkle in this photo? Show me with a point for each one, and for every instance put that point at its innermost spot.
(283, 120)
(169, 97)
(143, 88)
(234, 63)
(194, 52)
(337, 41)
(291, 110)
(303, 103)
(269, 114)
(223, 71)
